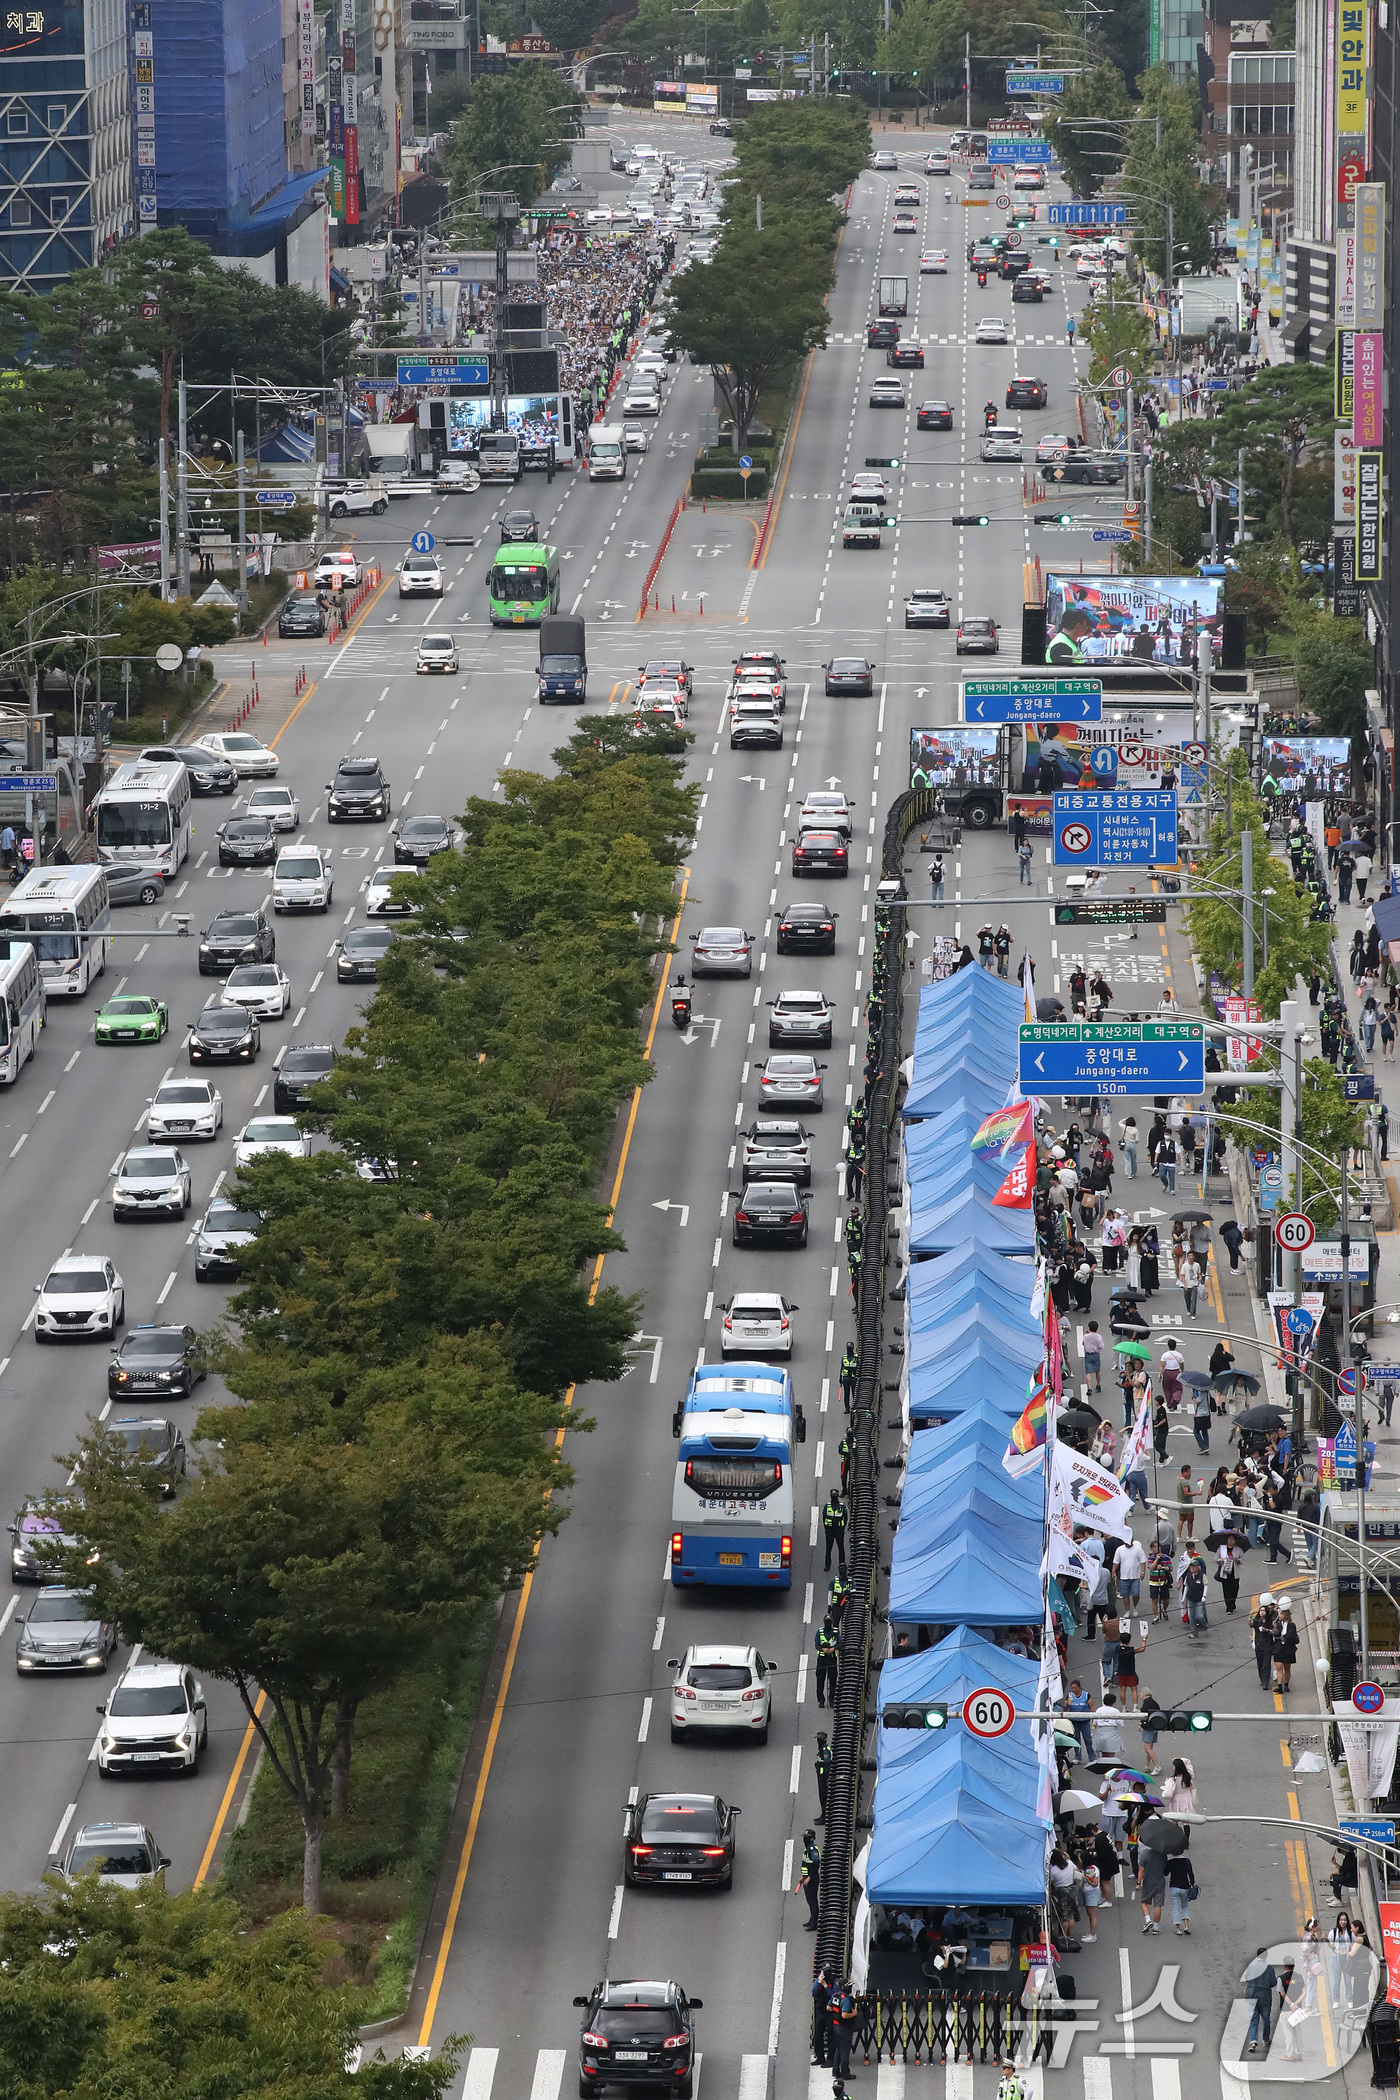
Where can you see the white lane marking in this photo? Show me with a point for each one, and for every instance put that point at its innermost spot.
(812, 1539)
(262, 1096)
(795, 1776)
(481, 2071)
(18, 1142)
(776, 2014)
(9, 1612)
(802, 1681)
(807, 1604)
(613, 1922)
(1125, 1975)
(90, 1209)
(46, 1100)
(62, 1831)
(753, 2070)
(1166, 2078)
(316, 980)
(787, 1865)
(107, 1403)
(72, 1060)
(646, 1721)
(660, 1630)
(166, 1287)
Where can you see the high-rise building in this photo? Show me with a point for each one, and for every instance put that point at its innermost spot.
(65, 139)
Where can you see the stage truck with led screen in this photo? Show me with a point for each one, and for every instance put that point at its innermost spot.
(1131, 620)
(1310, 767)
(537, 417)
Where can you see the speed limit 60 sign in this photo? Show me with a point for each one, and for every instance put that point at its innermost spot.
(1294, 1232)
(988, 1712)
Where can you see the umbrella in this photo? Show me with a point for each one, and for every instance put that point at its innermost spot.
(1259, 1418)
(1196, 1379)
(1049, 1010)
(1080, 1416)
(1114, 1768)
(1224, 1379)
(1136, 1800)
(1085, 1808)
(1133, 1349)
(1160, 1834)
(1191, 1217)
(1228, 1538)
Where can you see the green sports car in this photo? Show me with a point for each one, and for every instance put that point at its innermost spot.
(132, 1018)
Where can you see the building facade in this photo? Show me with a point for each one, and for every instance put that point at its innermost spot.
(65, 140)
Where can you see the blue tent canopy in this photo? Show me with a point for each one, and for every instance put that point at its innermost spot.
(980, 1370)
(929, 1280)
(980, 1427)
(956, 1666)
(976, 1081)
(934, 1345)
(956, 1848)
(975, 1464)
(916, 1765)
(928, 1310)
(970, 992)
(978, 1567)
(939, 1228)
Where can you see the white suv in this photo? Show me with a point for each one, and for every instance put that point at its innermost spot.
(152, 1180)
(420, 576)
(81, 1295)
(155, 1718)
(720, 1688)
(302, 880)
(342, 564)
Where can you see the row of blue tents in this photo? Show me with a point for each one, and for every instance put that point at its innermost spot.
(955, 1818)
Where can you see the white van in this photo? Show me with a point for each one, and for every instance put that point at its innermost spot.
(607, 452)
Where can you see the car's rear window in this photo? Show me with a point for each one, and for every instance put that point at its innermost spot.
(788, 1067)
(719, 1677)
(778, 1137)
(683, 1819)
(846, 664)
(634, 2023)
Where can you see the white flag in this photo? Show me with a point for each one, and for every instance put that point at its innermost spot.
(1138, 1442)
(1087, 1492)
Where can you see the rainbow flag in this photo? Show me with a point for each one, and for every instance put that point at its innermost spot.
(1004, 1129)
(1030, 1432)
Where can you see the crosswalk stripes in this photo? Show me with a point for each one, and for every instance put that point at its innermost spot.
(901, 2081)
(753, 2078)
(481, 2071)
(549, 2074)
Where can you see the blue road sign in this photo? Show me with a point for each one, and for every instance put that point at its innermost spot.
(1299, 1320)
(1127, 827)
(1376, 1828)
(1112, 535)
(31, 783)
(1048, 699)
(1035, 83)
(1344, 1442)
(745, 462)
(1270, 1187)
(1359, 1086)
(1022, 153)
(1077, 214)
(444, 371)
(422, 543)
(1346, 1383)
(276, 497)
(1112, 1057)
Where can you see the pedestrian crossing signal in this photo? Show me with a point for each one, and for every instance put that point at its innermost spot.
(934, 1716)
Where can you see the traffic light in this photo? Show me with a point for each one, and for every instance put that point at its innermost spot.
(1053, 517)
(1190, 1720)
(967, 519)
(927, 1716)
(874, 459)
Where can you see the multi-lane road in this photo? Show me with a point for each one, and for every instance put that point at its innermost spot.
(583, 1720)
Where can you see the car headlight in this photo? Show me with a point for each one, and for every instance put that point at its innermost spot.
(18, 1557)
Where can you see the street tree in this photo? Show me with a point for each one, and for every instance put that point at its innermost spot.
(506, 140)
(1331, 1124)
(747, 342)
(1216, 921)
(1082, 131)
(1281, 417)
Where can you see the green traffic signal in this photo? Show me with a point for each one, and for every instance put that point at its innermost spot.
(961, 518)
(1195, 1720)
(926, 1716)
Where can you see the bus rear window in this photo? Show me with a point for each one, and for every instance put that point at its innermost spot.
(709, 1476)
(510, 581)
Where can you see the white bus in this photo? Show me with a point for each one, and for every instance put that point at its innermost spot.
(65, 914)
(143, 816)
(23, 1005)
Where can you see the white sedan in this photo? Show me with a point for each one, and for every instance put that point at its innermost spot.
(933, 262)
(270, 1134)
(278, 804)
(245, 754)
(341, 564)
(991, 329)
(640, 401)
(185, 1108)
(757, 1323)
(263, 989)
(381, 901)
(720, 1687)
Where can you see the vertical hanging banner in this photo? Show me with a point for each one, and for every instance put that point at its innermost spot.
(1370, 255)
(335, 122)
(143, 103)
(1346, 277)
(1368, 517)
(1353, 22)
(1344, 373)
(1368, 398)
(1346, 594)
(1390, 1941)
(350, 90)
(306, 55)
(1344, 480)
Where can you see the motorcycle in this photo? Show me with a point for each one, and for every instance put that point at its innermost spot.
(989, 416)
(947, 196)
(982, 279)
(680, 1003)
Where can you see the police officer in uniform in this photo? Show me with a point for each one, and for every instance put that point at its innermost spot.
(822, 1762)
(825, 1644)
(821, 2018)
(843, 1452)
(850, 1364)
(855, 1166)
(809, 1881)
(834, 1525)
(836, 1599)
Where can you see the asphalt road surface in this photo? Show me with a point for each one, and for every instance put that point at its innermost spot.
(585, 1720)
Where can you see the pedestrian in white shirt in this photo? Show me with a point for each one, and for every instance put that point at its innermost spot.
(1129, 1566)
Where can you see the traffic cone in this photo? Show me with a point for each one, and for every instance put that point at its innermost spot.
(264, 636)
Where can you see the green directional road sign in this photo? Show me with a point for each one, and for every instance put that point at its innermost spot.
(1041, 699)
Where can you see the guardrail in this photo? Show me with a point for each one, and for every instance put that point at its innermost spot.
(973, 2023)
(653, 571)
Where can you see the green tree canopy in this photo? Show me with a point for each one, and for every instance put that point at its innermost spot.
(711, 311)
(1083, 131)
(505, 139)
(1216, 918)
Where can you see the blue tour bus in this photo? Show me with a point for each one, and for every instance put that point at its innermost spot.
(731, 1513)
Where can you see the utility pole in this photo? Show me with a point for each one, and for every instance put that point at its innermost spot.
(967, 78)
(1239, 501)
(1128, 445)
(182, 500)
(1204, 667)
(826, 62)
(242, 529)
(1247, 886)
(1349, 1364)
(1147, 504)
(164, 527)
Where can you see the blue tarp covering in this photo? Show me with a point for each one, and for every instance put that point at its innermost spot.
(938, 1163)
(919, 1764)
(1014, 1279)
(963, 1329)
(952, 1844)
(941, 1228)
(928, 1309)
(970, 1083)
(980, 1427)
(934, 1488)
(957, 1666)
(976, 1564)
(979, 1380)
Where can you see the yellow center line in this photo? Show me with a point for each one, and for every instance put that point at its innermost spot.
(350, 632)
(459, 1881)
(226, 1804)
(792, 440)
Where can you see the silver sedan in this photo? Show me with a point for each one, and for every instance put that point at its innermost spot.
(792, 1082)
(722, 951)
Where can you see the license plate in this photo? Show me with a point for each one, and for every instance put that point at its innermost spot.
(629, 2056)
(517, 619)
(730, 1560)
(146, 1757)
(676, 1877)
(715, 1705)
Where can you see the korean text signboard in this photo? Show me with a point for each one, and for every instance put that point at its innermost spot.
(1368, 516)
(1352, 18)
(1368, 398)
(1370, 255)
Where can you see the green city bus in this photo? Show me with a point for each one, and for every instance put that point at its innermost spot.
(523, 584)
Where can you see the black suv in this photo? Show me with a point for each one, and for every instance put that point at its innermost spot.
(1028, 290)
(301, 616)
(1027, 393)
(770, 1211)
(236, 937)
(358, 790)
(156, 1360)
(882, 335)
(638, 2034)
(1086, 467)
(246, 842)
(303, 1067)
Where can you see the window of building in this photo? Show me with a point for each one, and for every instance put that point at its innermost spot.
(58, 207)
(17, 123)
(56, 116)
(20, 214)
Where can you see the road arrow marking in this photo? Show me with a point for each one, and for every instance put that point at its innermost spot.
(750, 778)
(683, 1208)
(834, 781)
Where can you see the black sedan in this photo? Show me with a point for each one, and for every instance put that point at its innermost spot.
(164, 1360)
(821, 853)
(1027, 393)
(236, 937)
(417, 839)
(304, 1066)
(928, 608)
(149, 1444)
(519, 525)
(850, 674)
(638, 2033)
(1102, 473)
(935, 415)
(37, 1533)
(210, 772)
(361, 953)
(301, 616)
(246, 842)
(682, 1838)
(806, 929)
(909, 353)
(134, 886)
(227, 1035)
(771, 1214)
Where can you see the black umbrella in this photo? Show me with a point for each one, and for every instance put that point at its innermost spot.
(1191, 1217)
(1228, 1538)
(1160, 1834)
(1049, 1010)
(1196, 1379)
(1225, 1379)
(1259, 1418)
(1080, 1416)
